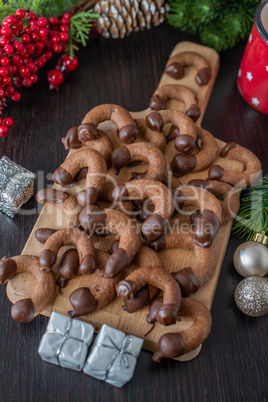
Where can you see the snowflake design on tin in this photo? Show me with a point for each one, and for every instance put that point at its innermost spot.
(266, 68)
(249, 76)
(250, 38)
(239, 72)
(255, 101)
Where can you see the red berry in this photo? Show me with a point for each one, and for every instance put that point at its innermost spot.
(18, 46)
(70, 64)
(6, 31)
(32, 67)
(13, 69)
(55, 78)
(1, 121)
(4, 41)
(3, 131)
(67, 15)
(25, 38)
(9, 121)
(34, 78)
(48, 54)
(24, 71)
(65, 21)
(64, 28)
(1, 52)
(16, 97)
(3, 71)
(20, 13)
(35, 36)
(7, 80)
(30, 16)
(39, 47)
(27, 29)
(57, 48)
(24, 51)
(27, 82)
(64, 37)
(31, 48)
(38, 63)
(34, 27)
(42, 22)
(2, 93)
(10, 90)
(8, 49)
(11, 19)
(4, 61)
(55, 38)
(17, 59)
(53, 20)
(18, 81)
(43, 32)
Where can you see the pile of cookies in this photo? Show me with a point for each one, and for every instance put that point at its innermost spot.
(145, 212)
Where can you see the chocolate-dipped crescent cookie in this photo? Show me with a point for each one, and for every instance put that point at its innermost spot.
(172, 345)
(161, 197)
(141, 151)
(114, 221)
(101, 143)
(226, 194)
(175, 66)
(64, 237)
(159, 278)
(64, 201)
(96, 174)
(208, 152)
(43, 291)
(240, 179)
(128, 131)
(183, 129)
(179, 92)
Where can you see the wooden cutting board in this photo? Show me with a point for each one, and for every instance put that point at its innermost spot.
(174, 260)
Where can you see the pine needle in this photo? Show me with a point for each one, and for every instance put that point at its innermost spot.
(253, 214)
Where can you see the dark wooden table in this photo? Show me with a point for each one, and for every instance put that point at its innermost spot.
(233, 361)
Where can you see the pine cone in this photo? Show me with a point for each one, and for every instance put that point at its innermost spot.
(118, 18)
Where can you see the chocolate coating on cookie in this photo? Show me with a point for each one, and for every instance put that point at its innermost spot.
(184, 143)
(205, 228)
(173, 133)
(69, 264)
(71, 140)
(199, 183)
(8, 269)
(92, 218)
(51, 195)
(43, 234)
(182, 164)
(194, 112)
(120, 193)
(153, 227)
(170, 345)
(227, 148)
(120, 158)
(128, 134)
(187, 280)
(175, 70)
(47, 260)
(167, 314)
(23, 310)
(83, 302)
(154, 307)
(203, 76)
(216, 172)
(89, 196)
(87, 132)
(155, 122)
(141, 299)
(116, 263)
(157, 103)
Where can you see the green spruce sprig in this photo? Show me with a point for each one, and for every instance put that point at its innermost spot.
(220, 23)
(80, 25)
(253, 214)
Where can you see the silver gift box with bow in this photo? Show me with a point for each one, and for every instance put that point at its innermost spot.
(66, 342)
(16, 186)
(113, 356)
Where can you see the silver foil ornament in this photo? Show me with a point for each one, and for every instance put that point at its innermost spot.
(16, 186)
(251, 296)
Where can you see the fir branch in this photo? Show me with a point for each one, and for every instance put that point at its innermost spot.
(220, 23)
(253, 214)
(79, 29)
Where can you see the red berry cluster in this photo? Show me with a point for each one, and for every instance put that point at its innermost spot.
(26, 43)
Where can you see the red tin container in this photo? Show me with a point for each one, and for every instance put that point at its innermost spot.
(252, 79)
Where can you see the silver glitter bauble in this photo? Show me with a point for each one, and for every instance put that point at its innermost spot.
(251, 296)
(251, 259)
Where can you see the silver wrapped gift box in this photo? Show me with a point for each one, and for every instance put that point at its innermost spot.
(16, 186)
(113, 356)
(66, 342)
